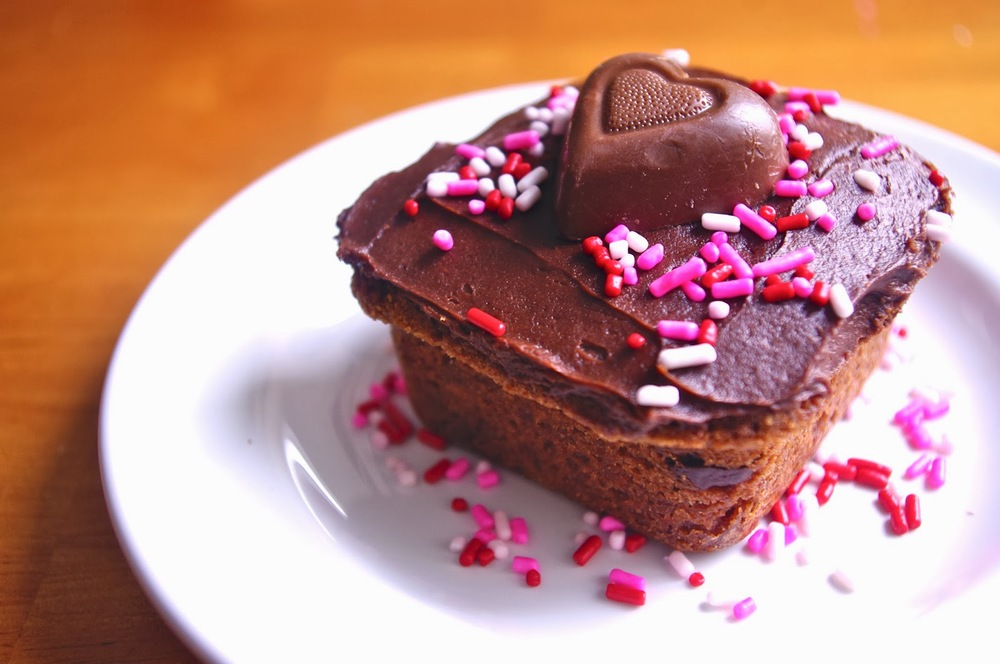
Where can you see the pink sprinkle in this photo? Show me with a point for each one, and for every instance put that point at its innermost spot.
(796, 106)
(627, 579)
(630, 277)
(784, 263)
(744, 609)
(795, 506)
(469, 151)
(741, 287)
(826, 97)
(879, 147)
(827, 222)
(521, 564)
(457, 470)
(693, 269)
(359, 420)
(694, 292)
(727, 254)
(710, 252)
(463, 187)
(802, 287)
(443, 240)
(786, 122)
(477, 206)
(918, 467)
(820, 188)
(866, 211)
(790, 188)
(487, 479)
(936, 473)
(521, 140)
(482, 516)
(650, 258)
(619, 232)
(757, 541)
(518, 530)
(680, 330)
(798, 169)
(754, 221)
(720, 238)
(609, 523)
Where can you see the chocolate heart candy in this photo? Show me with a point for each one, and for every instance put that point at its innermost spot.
(650, 147)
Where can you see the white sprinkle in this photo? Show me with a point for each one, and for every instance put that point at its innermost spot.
(534, 177)
(480, 167)
(799, 132)
(659, 396)
(937, 218)
(616, 540)
(528, 198)
(406, 477)
(500, 549)
(443, 176)
(718, 309)
(715, 221)
(813, 140)
(938, 233)
(867, 179)
(680, 563)
(507, 185)
(841, 581)
(815, 209)
(545, 114)
(495, 156)
(457, 544)
(775, 540)
(537, 150)
(560, 120)
(686, 356)
(840, 301)
(618, 248)
(540, 128)
(591, 518)
(678, 55)
(637, 242)
(501, 524)
(628, 260)
(486, 185)
(437, 187)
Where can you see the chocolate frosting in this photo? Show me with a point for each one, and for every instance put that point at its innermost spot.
(567, 337)
(650, 146)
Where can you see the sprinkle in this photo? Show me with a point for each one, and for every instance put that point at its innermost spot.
(518, 530)
(867, 179)
(911, 508)
(680, 330)
(533, 578)
(634, 542)
(626, 595)
(680, 564)
(477, 206)
(586, 550)
(718, 309)
(522, 564)
(411, 207)
(507, 185)
(456, 470)
(443, 240)
(936, 473)
(790, 188)
(609, 523)
(827, 222)
(708, 332)
(616, 540)
(815, 209)
(794, 222)
(754, 221)
(820, 188)
(866, 211)
(744, 609)
(535, 176)
(840, 301)
(784, 263)
(657, 396)
(841, 581)
(685, 356)
(527, 199)
(494, 156)
(798, 169)
(624, 578)
(505, 210)
(481, 319)
(487, 479)
(462, 188)
(740, 287)
(918, 467)
(715, 221)
(650, 258)
(879, 147)
(636, 242)
(693, 269)
(694, 292)
(709, 251)
(521, 140)
(727, 254)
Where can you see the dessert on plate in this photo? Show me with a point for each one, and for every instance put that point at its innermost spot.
(654, 292)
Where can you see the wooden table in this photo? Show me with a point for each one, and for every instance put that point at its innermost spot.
(125, 123)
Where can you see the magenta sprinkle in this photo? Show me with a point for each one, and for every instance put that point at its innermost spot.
(630, 277)
(825, 97)
(443, 240)
(741, 287)
(727, 254)
(693, 269)
(482, 516)
(487, 479)
(790, 188)
(798, 169)
(694, 292)
(754, 221)
(918, 467)
(650, 258)
(797, 106)
(879, 147)
(826, 222)
(609, 523)
(521, 140)
(627, 579)
(463, 187)
(710, 252)
(619, 232)
(477, 206)
(518, 530)
(521, 564)
(744, 609)
(757, 541)
(936, 473)
(784, 263)
(469, 151)
(680, 330)
(820, 188)
(866, 211)
(786, 123)
(720, 238)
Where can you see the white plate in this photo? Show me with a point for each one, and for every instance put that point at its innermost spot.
(266, 528)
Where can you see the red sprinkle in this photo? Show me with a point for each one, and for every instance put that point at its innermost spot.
(779, 512)
(798, 482)
(912, 511)
(897, 519)
(716, 274)
(842, 471)
(485, 555)
(820, 294)
(634, 542)
(431, 440)
(468, 555)
(868, 463)
(435, 473)
(586, 551)
(872, 478)
(798, 150)
(825, 488)
(778, 292)
(708, 332)
(768, 213)
(888, 499)
(481, 319)
(814, 103)
(459, 504)
(804, 271)
(696, 579)
(763, 88)
(635, 341)
(467, 173)
(936, 178)
(411, 207)
(613, 284)
(513, 159)
(619, 592)
(591, 244)
(795, 222)
(506, 208)
(533, 578)
(493, 200)
(521, 170)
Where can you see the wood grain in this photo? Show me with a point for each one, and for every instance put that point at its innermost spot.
(124, 124)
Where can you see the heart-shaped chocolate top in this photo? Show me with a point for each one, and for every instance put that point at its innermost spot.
(650, 146)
